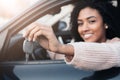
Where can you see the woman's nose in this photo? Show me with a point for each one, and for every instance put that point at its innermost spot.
(85, 28)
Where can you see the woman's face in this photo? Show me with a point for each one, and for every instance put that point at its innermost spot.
(90, 25)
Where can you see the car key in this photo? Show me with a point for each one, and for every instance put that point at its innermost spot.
(28, 48)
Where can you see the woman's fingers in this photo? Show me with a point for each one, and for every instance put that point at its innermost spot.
(44, 34)
(33, 32)
(41, 32)
(36, 35)
(30, 28)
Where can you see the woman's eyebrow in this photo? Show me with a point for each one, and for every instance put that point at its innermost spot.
(91, 17)
(86, 18)
(79, 20)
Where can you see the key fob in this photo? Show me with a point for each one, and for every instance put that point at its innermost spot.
(28, 46)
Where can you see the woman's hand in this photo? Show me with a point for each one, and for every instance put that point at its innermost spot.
(44, 35)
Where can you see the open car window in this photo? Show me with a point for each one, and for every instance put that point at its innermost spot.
(59, 20)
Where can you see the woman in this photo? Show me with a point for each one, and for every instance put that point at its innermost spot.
(99, 48)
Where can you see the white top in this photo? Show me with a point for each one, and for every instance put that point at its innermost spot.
(96, 56)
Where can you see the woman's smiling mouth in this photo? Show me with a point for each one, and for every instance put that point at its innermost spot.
(88, 35)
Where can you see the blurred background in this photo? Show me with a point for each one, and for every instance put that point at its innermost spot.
(9, 8)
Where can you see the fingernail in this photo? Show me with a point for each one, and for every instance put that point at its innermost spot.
(34, 39)
(29, 39)
(23, 35)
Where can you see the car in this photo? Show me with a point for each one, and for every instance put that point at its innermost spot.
(13, 62)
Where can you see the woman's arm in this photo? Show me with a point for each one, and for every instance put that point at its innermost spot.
(95, 56)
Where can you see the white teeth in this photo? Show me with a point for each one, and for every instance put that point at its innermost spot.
(87, 35)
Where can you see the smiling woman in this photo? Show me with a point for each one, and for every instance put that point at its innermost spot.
(90, 25)
(92, 22)
(86, 55)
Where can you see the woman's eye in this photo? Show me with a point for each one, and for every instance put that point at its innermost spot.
(92, 21)
(80, 24)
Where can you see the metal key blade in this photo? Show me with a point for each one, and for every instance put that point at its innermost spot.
(28, 48)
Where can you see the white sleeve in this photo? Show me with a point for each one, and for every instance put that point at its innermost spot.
(95, 56)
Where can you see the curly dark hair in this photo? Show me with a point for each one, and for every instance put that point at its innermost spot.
(106, 10)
